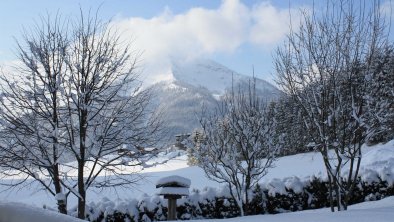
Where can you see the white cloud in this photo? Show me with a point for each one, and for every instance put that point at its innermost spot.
(387, 10)
(271, 24)
(202, 32)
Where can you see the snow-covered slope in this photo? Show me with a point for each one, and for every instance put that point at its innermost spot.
(217, 78)
(180, 104)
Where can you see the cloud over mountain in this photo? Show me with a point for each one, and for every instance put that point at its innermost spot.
(200, 32)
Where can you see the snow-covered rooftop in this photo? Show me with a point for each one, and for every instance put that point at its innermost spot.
(173, 181)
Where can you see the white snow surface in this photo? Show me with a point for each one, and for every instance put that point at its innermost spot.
(375, 211)
(182, 181)
(60, 196)
(19, 212)
(182, 191)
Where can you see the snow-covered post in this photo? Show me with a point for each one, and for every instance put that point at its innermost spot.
(173, 188)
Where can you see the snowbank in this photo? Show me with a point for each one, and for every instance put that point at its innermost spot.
(18, 212)
(377, 211)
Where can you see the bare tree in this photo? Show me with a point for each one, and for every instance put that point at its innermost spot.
(323, 65)
(30, 108)
(238, 146)
(76, 97)
(105, 108)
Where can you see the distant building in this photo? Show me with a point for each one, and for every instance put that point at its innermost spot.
(181, 141)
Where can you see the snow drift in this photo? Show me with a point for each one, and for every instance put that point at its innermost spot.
(18, 212)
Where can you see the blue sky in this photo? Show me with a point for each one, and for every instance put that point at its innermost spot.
(237, 34)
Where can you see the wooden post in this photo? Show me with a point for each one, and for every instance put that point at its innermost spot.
(171, 209)
(173, 188)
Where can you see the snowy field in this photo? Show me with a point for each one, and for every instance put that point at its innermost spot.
(379, 157)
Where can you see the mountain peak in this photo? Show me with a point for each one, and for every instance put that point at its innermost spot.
(203, 73)
(216, 77)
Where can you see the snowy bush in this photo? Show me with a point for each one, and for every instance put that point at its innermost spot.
(274, 196)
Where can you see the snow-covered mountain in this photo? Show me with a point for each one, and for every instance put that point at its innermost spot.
(196, 85)
(217, 78)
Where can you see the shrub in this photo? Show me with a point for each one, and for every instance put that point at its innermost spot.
(212, 203)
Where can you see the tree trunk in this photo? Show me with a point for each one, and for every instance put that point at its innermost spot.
(81, 191)
(330, 191)
(339, 197)
(61, 204)
(241, 210)
(247, 188)
(81, 164)
(238, 198)
(246, 204)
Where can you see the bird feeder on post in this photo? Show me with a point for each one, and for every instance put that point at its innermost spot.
(173, 188)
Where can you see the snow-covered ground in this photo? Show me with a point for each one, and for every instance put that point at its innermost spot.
(18, 212)
(375, 211)
(378, 158)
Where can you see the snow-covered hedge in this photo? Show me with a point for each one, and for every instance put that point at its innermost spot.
(275, 196)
